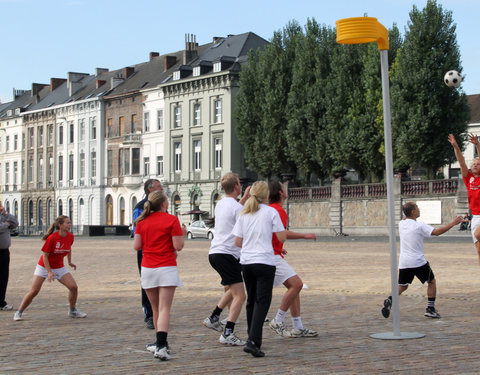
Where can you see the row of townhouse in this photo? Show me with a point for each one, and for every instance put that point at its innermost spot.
(83, 146)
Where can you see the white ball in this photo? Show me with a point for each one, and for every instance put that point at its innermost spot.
(452, 78)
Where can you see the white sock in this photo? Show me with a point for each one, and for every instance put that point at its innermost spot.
(280, 317)
(297, 323)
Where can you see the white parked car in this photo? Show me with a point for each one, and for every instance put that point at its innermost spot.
(200, 229)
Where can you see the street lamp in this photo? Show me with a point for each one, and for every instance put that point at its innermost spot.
(359, 30)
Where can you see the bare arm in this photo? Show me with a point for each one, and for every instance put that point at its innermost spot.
(472, 138)
(46, 262)
(69, 259)
(238, 241)
(447, 227)
(179, 241)
(246, 195)
(298, 236)
(137, 242)
(281, 236)
(459, 155)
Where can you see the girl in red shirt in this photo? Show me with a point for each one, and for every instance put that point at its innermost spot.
(57, 246)
(160, 236)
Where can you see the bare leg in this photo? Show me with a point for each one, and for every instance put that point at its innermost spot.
(165, 299)
(226, 299)
(432, 289)
(402, 288)
(153, 297)
(294, 285)
(37, 283)
(237, 292)
(70, 283)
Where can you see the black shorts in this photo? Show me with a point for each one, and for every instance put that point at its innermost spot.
(423, 273)
(228, 267)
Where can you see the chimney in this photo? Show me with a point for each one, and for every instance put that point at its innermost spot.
(190, 51)
(99, 83)
(168, 62)
(36, 87)
(74, 82)
(115, 81)
(128, 71)
(99, 71)
(55, 82)
(152, 55)
(18, 93)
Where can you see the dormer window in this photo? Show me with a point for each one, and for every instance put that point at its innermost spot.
(217, 67)
(176, 75)
(196, 71)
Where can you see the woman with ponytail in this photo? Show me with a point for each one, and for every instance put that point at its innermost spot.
(160, 236)
(58, 245)
(253, 233)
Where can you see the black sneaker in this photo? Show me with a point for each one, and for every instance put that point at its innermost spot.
(432, 313)
(149, 323)
(387, 306)
(253, 349)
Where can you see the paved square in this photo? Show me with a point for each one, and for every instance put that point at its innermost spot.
(347, 281)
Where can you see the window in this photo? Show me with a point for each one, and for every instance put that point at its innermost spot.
(71, 137)
(50, 135)
(121, 125)
(40, 136)
(177, 146)
(15, 172)
(217, 67)
(40, 171)
(146, 166)
(50, 170)
(93, 164)
(30, 169)
(82, 165)
(160, 165)
(7, 173)
(23, 141)
(135, 161)
(81, 125)
(30, 137)
(109, 127)
(70, 167)
(133, 128)
(7, 142)
(109, 162)
(218, 111)
(60, 135)
(121, 162)
(93, 127)
(60, 168)
(217, 153)
(146, 125)
(196, 114)
(177, 119)
(60, 207)
(160, 119)
(197, 154)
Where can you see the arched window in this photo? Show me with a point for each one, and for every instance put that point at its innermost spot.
(49, 212)
(60, 207)
(81, 211)
(7, 206)
(122, 211)
(40, 213)
(15, 209)
(70, 209)
(109, 209)
(30, 212)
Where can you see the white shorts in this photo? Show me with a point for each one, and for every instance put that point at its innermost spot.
(161, 276)
(57, 272)
(475, 222)
(283, 272)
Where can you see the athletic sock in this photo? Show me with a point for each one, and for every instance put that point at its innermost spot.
(72, 309)
(229, 328)
(280, 317)
(161, 339)
(431, 302)
(216, 314)
(297, 323)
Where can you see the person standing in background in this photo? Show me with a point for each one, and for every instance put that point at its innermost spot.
(7, 222)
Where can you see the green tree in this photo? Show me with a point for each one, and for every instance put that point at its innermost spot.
(424, 110)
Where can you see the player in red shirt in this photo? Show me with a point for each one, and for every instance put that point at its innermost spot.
(160, 236)
(285, 274)
(472, 182)
(57, 246)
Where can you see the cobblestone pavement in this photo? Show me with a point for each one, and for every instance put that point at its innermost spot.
(347, 281)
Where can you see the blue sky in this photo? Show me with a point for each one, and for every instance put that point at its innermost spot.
(47, 38)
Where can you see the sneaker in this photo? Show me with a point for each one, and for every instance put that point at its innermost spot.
(253, 349)
(217, 326)
(280, 328)
(387, 306)
(6, 308)
(231, 339)
(224, 321)
(149, 323)
(304, 332)
(151, 347)
(76, 313)
(162, 353)
(18, 315)
(432, 313)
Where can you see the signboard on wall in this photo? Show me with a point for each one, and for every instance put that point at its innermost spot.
(430, 212)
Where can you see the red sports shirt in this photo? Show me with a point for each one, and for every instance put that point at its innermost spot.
(157, 231)
(473, 186)
(277, 245)
(57, 247)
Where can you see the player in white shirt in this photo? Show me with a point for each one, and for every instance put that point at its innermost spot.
(412, 260)
(253, 233)
(224, 258)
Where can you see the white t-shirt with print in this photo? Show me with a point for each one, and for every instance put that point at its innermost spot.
(412, 233)
(226, 214)
(256, 231)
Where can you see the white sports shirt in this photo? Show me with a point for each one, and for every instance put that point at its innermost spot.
(226, 214)
(412, 233)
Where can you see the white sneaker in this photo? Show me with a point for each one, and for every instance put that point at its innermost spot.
(231, 339)
(6, 308)
(76, 313)
(279, 328)
(304, 332)
(17, 316)
(224, 321)
(152, 348)
(163, 354)
(217, 326)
